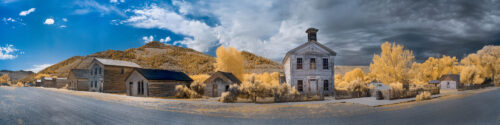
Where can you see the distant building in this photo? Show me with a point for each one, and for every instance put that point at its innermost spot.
(38, 82)
(380, 90)
(310, 67)
(436, 83)
(61, 82)
(107, 75)
(48, 82)
(219, 82)
(155, 82)
(78, 79)
(450, 81)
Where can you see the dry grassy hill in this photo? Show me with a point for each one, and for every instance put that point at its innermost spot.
(162, 56)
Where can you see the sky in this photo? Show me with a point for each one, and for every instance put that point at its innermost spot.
(35, 34)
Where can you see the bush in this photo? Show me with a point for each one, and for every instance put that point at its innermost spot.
(198, 87)
(182, 91)
(285, 93)
(423, 96)
(396, 90)
(231, 95)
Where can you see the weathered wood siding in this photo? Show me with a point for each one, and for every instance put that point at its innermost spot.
(163, 88)
(221, 86)
(306, 74)
(113, 79)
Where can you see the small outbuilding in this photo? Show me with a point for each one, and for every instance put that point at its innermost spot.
(435, 83)
(78, 79)
(219, 82)
(155, 82)
(450, 81)
(380, 90)
(48, 82)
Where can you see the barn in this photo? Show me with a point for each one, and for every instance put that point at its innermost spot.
(155, 82)
(218, 83)
(78, 79)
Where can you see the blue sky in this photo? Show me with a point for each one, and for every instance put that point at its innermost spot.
(35, 34)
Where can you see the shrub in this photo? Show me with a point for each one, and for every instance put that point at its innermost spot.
(198, 87)
(182, 91)
(231, 95)
(285, 93)
(423, 96)
(396, 90)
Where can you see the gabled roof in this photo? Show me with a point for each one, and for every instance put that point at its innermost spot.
(111, 62)
(158, 74)
(80, 73)
(453, 77)
(306, 44)
(228, 75)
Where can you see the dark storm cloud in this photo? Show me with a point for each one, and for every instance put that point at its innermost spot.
(355, 29)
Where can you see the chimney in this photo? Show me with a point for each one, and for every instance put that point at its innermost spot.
(311, 34)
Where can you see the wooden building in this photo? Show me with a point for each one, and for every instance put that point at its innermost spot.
(155, 82)
(78, 79)
(107, 75)
(61, 82)
(310, 67)
(450, 81)
(218, 83)
(48, 82)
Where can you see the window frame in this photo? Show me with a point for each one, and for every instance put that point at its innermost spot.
(300, 85)
(300, 63)
(326, 65)
(326, 84)
(312, 63)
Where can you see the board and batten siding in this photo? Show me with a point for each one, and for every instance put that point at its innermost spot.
(152, 88)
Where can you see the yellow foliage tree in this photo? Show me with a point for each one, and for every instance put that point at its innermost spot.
(392, 64)
(433, 69)
(471, 75)
(5, 78)
(487, 61)
(265, 78)
(200, 78)
(230, 60)
(355, 74)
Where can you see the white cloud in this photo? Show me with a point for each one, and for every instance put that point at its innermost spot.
(116, 1)
(147, 39)
(8, 1)
(91, 5)
(49, 21)
(65, 20)
(167, 39)
(8, 52)
(6, 20)
(62, 26)
(200, 36)
(37, 68)
(26, 12)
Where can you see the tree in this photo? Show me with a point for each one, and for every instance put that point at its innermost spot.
(392, 64)
(471, 75)
(485, 60)
(5, 78)
(355, 74)
(433, 69)
(230, 60)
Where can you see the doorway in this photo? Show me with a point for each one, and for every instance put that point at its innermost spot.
(313, 86)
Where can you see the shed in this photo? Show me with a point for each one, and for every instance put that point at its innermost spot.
(219, 82)
(450, 81)
(78, 79)
(48, 82)
(435, 82)
(155, 82)
(380, 90)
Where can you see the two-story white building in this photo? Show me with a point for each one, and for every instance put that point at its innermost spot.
(310, 68)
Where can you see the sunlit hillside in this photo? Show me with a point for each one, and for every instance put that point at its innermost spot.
(162, 56)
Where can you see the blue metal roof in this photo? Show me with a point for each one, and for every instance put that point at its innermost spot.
(158, 74)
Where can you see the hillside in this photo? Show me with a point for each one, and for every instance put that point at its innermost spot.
(162, 56)
(16, 75)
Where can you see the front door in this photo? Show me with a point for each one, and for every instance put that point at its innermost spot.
(313, 86)
(131, 88)
(214, 90)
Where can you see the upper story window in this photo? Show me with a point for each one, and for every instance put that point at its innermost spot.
(299, 63)
(95, 71)
(312, 63)
(123, 71)
(325, 63)
(100, 70)
(300, 85)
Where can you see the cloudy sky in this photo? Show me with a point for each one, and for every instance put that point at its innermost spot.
(35, 33)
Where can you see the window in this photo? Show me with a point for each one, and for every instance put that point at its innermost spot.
(95, 71)
(312, 63)
(325, 85)
(227, 88)
(123, 71)
(299, 85)
(91, 84)
(325, 63)
(100, 70)
(299, 63)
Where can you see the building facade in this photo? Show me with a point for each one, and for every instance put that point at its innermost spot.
(155, 82)
(78, 79)
(218, 83)
(310, 67)
(106, 75)
(450, 81)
